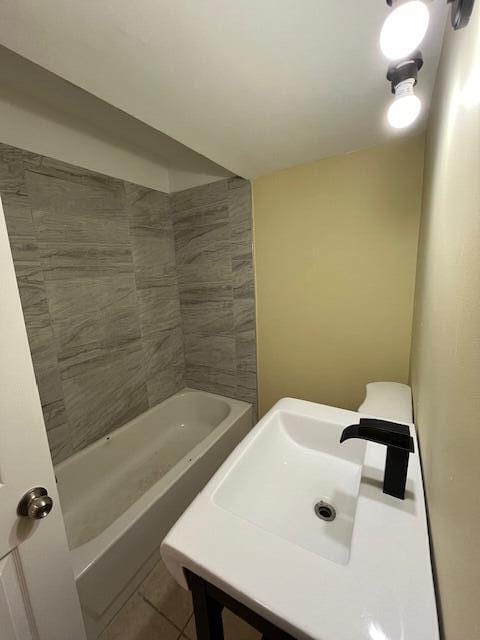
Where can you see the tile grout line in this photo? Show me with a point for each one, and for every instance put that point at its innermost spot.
(185, 626)
(147, 601)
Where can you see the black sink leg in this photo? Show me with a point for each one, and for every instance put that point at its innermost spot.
(207, 611)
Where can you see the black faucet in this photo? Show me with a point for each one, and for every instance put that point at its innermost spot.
(399, 445)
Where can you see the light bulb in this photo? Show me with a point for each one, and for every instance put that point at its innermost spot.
(404, 29)
(405, 108)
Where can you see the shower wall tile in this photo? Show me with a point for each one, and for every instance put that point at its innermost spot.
(247, 386)
(128, 293)
(245, 351)
(207, 308)
(203, 252)
(33, 296)
(66, 261)
(240, 210)
(212, 351)
(164, 384)
(158, 305)
(58, 430)
(212, 380)
(206, 195)
(90, 295)
(213, 243)
(103, 394)
(80, 212)
(153, 249)
(153, 252)
(147, 208)
(95, 264)
(163, 350)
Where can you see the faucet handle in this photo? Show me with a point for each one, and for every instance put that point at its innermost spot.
(390, 434)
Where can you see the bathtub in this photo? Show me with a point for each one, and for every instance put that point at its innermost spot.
(121, 494)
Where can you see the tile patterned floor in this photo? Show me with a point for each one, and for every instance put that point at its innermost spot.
(162, 610)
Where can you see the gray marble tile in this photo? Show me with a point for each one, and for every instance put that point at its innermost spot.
(212, 351)
(30, 280)
(211, 379)
(58, 431)
(12, 182)
(147, 207)
(24, 249)
(153, 252)
(243, 294)
(243, 277)
(84, 337)
(198, 196)
(203, 253)
(158, 305)
(165, 383)
(245, 351)
(244, 314)
(73, 173)
(67, 211)
(96, 264)
(237, 183)
(35, 309)
(121, 326)
(18, 216)
(77, 337)
(246, 388)
(66, 261)
(108, 319)
(163, 350)
(240, 213)
(15, 200)
(68, 298)
(202, 215)
(100, 397)
(207, 308)
(49, 381)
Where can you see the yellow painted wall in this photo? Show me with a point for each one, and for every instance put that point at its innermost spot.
(446, 340)
(335, 251)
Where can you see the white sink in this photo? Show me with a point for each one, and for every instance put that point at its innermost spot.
(253, 532)
(294, 464)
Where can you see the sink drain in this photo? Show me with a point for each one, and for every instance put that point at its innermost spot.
(325, 511)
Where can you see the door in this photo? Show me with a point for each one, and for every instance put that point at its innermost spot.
(38, 598)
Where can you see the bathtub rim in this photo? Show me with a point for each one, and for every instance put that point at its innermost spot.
(85, 555)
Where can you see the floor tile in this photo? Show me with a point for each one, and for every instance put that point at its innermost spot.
(161, 590)
(137, 620)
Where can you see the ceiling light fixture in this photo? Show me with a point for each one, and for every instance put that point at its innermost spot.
(404, 28)
(406, 107)
(461, 12)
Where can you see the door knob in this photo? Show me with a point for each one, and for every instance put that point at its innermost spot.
(35, 504)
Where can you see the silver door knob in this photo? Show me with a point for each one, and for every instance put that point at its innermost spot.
(35, 504)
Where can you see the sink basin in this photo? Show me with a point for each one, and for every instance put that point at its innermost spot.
(254, 533)
(293, 464)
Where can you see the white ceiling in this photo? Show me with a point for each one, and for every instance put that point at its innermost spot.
(254, 85)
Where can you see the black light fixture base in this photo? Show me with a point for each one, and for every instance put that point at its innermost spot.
(405, 69)
(461, 12)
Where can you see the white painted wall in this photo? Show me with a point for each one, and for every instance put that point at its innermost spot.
(45, 114)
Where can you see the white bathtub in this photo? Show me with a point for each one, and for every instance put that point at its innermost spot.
(122, 494)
